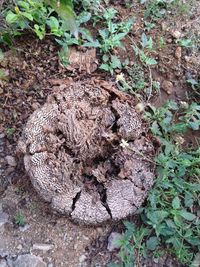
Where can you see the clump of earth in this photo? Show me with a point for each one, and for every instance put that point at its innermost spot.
(88, 153)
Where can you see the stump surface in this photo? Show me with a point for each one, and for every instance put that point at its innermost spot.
(74, 154)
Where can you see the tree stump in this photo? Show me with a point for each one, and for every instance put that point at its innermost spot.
(88, 154)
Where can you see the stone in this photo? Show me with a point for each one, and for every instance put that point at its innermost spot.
(3, 218)
(176, 34)
(29, 260)
(112, 239)
(19, 247)
(3, 263)
(178, 52)
(167, 86)
(11, 161)
(43, 247)
(82, 261)
(2, 135)
(24, 228)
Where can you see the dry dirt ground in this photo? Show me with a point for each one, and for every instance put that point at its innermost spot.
(33, 70)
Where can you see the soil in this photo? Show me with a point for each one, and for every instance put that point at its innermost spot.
(33, 72)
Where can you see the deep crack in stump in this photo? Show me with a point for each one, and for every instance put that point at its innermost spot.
(74, 157)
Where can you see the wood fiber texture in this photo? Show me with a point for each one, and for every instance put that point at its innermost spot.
(73, 153)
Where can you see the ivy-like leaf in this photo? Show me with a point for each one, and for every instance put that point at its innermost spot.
(64, 8)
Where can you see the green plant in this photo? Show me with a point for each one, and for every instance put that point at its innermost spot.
(110, 63)
(146, 47)
(3, 75)
(195, 85)
(185, 42)
(40, 17)
(170, 216)
(157, 9)
(111, 36)
(10, 132)
(19, 219)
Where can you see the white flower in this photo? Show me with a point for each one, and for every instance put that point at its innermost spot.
(120, 77)
(124, 143)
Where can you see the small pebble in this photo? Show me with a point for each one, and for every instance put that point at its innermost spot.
(29, 261)
(176, 34)
(24, 228)
(168, 87)
(43, 247)
(3, 263)
(2, 135)
(11, 161)
(112, 239)
(19, 247)
(3, 218)
(178, 52)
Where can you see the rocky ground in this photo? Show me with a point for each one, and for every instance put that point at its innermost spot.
(30, 233)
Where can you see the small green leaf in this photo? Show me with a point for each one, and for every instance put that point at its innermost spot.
(11, 17)
(187, 215)
(155, 128)
(39, 30)
(105, 67)
(27, 15)
(66, 12)
(194, 125)
(53, 23)
(150, 61)
(157, 216)
(176, 204)
(152, 243)
(115, 62)
(94, 44)
(84, 17)
(23, 4)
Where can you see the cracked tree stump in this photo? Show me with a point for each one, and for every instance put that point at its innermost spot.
(73, 153)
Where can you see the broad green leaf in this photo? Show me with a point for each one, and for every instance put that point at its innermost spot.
(187, 215)
(176, 204)
(104, 67)
(86, 34)
(175, 241)
(23, 4)
(64, 8)
(39, 30)
(116, 63)
(155, 128)
(157, 216)
(92, 44)
(53, 23)
(27, 15)
(150, 61)
(179, 127)
(84, 17)
(194, 125)
(11, 17)
(104, 33)
(194, 240)
(144, 40)
(152, 243)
